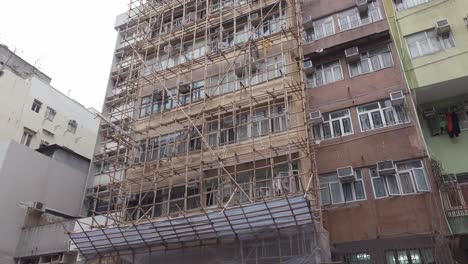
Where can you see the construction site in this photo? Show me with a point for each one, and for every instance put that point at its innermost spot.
(205, 154)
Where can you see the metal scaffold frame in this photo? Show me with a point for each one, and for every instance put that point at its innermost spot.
(239, 139)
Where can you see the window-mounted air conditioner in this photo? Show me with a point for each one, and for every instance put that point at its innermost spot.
(308, 23)
(184, 87)
(316, 118)
(239, 69)
(386, 167)
(442, 26)
(38, 206)
(254, 17)
(362, 6)
(397, 98)
(352, 54)
(167, 48)
(429, 111)
(223, 45)
(346, 174)
(308, 66)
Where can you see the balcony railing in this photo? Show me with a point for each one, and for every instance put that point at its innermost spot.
(455, 198)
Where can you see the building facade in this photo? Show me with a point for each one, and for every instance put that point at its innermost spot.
(203, 135)
(379, 197)
(39, 202)
(35, 114)
(432, 42)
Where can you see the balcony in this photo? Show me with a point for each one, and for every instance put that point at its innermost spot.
(455, 202)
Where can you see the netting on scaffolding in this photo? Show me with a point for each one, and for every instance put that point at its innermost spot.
(294, 245)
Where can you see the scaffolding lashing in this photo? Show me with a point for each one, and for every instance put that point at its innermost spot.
(207, 117)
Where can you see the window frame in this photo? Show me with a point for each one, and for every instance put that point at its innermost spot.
(382, 110)
(321, 23)
(50, 114)
(397, 176)
(27, 137)
(403, 6)
(330, 122)
(36, 106)
(367, 57)
(321, 69)
(329, 191)
(72, 126)
(441, 41)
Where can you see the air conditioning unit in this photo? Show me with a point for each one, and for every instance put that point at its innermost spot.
(167, 48)
(157, 96)
(346, 174)
(308, 23)
(451, 177)
(90, 192)
(397, 98)
(386, 167)
(442, 27)
(316, 118)
(184, 87)
(429, 111)
(239, 69)
(362, 6)
(223, 45)
(352, 54)
(38, 206)
(308, 66)
(254, 17)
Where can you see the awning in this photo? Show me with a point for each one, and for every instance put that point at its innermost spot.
(240, 222)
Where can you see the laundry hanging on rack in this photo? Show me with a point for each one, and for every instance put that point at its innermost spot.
(455, 124)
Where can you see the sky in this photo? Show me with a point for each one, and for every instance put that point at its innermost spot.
(70, 41)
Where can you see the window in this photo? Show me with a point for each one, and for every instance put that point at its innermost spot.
(409, 179)
(381, 114)
(326, 73)
(139, 152)
(50, 114)
(145, 109)
(323, 27)
(404, 4)
(358, 258)
(371, 61)
(333, 191)
(36, 106)
(428, 42)
(28, 134)
(335, 124)
(351, 18)
(72, 126)
(416, 256)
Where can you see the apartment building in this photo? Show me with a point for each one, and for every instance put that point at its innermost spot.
(379, 196)
(35, 114)
(433, 43)
(204, 154)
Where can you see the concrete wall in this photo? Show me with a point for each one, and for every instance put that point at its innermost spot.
(16, 99)
(28, 176)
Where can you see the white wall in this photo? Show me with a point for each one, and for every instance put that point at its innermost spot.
(16, 99)
(28, 176)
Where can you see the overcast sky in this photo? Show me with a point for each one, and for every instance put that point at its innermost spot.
(70, 41)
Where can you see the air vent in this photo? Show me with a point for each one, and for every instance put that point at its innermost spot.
(316, 118)
(352, 54)
(386, 167)
(397, 98)
(346, 174)
(442, 27)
